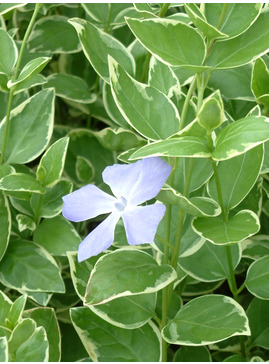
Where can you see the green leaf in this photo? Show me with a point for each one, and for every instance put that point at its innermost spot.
(52, 203)
(242, 49)
(206, 320)
(259, 323)
(5, 8)
(71, 88)
(16, 311)
(200, 22)
(97, 45)
(30, 128)
(142, 344)
(237, 177)
(46, 317)
(239, 227)
(5, 219)
(135, 272)
(5, 305)
(196, 206)
(238, 17)
(259, 81)
(256, 247)
(57, 236)
(144, 107)
(233, 83)
(209, 263)
(31, 69)
(169, 41)
(84, 169)
(3, 350)
(29, 83)
(21, 182)
(8, 51)
(257, 279)
(162, 77)
(118, 139)
(126, 312)
(53, 34)
(51, 165)
(34, 349)
(21, 333)
(240, 136)
(28, 266)
(187, 146)
(111, 107)
(192, 354)
(25, 222)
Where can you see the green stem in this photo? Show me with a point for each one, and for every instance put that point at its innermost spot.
(186, 103)
(106, 29)
(12, 90)
(163, 10)
(221, 18)
(145, 68)
(38, 207)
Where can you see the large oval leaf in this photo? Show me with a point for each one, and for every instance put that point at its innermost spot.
(209, 263)
(206, 320)
(9, 52)
(30, 128)
(143, 344)
(239, 227)
(169, 41)
(27, 266)
(134, 272)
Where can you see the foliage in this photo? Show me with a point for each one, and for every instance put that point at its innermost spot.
(87, 86)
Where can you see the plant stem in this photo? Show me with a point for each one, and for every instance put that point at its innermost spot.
(163, 10)
(16, 71)
(186, 103)
(106, 29)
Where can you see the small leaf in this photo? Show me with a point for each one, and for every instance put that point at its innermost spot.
(257, 279)
(52, 163)
(135, 272)
(31, 69)
(144, 107)
(30, 128)
(239, 227)
(57, 236)
(53, 34)
(3, 350)
(71, 88)
(8, 51)
(186, 146)
(259, 81)
(196, 206)
(206, 320)
(21, 182)
(5, 304)
(16, 310)
(97, 45)
(142, 344)
(237, 177)
(192, 354)
(5, 218)
(46, 317)
(240, 136)
(84, 169)
(25, 222)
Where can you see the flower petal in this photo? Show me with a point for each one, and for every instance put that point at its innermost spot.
(99, 239)
(141, 223)
(87, 202)
(139, 181)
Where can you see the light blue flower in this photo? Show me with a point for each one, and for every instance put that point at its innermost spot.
(132, 185)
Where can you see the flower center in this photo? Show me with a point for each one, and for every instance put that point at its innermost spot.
(121, 204)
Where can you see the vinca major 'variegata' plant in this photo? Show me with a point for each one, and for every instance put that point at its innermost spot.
(134, 163)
